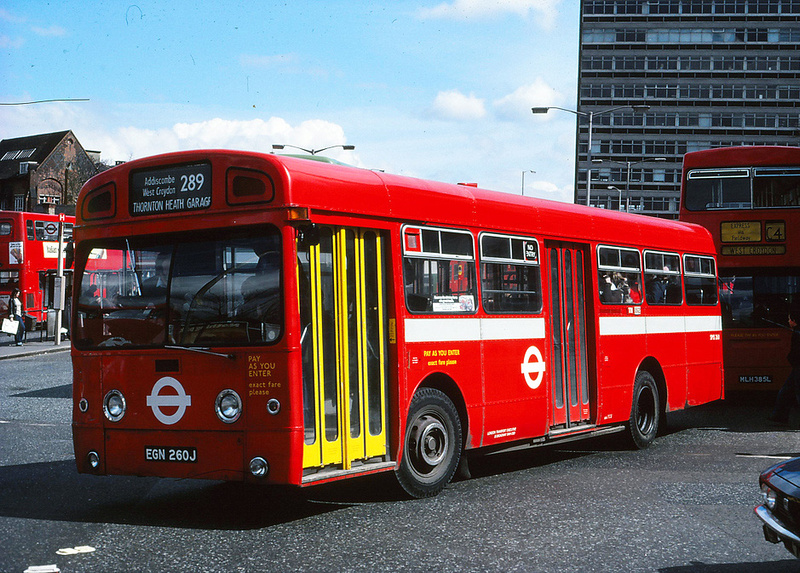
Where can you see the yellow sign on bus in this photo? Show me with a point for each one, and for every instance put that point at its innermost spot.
(740, 232)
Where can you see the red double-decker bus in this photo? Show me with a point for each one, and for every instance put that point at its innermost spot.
(285, 321)
(749, 199)
(29, 258)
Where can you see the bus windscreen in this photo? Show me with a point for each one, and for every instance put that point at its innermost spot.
(182, 292)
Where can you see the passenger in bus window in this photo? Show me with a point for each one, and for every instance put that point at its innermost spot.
(789, 394)
(657, 288)
(634, 293)
(624, 289)
(156, 285)
(609, 293)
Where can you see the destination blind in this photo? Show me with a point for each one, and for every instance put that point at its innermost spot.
(173, 189)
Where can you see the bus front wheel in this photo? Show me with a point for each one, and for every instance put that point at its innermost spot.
(432, 446)
(645, 410)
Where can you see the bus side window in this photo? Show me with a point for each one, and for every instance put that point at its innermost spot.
(619, 275)
(662, 272)
(416, 302)
(511, 280)
(701, 280)
(440, 276)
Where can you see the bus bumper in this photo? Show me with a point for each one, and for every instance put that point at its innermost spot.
(196, 454)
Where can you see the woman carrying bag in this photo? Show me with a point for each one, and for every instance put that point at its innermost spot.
(15, 312)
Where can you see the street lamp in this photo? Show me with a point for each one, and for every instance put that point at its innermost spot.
(523, 179)
(314, 151)
(590, 115)
(628, 175)
(613, 188)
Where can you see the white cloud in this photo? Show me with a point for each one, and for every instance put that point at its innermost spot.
(267, 61)
(252, 135)
(518, 104)
(53, 31)
(110, 129)
(8, 42)
(453, 105)
(7, 16)
(465, 9)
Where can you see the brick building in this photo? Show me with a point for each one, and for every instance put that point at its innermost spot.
(44, 172)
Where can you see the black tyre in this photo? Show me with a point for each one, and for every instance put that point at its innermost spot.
(433, 443)
(645, 411)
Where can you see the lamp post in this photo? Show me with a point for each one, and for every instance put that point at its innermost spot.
(313, 151)
(523, 179)
(590, 115)
(613, 188)
(628, 173)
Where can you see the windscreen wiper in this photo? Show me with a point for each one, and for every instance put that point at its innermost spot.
(202, 350)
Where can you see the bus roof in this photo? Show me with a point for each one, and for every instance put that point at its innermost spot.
(327, 187)
(749, 156)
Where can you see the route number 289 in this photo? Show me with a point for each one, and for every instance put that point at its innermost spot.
(192, 182)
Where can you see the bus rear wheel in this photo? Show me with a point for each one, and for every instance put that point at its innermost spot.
(432, 446)
(645, 411)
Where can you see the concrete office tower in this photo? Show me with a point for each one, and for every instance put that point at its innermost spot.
(714, 73)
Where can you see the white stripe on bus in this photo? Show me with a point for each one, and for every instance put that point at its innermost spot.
(626, 325)
(473, 329)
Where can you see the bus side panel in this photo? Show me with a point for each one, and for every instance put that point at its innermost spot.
(516, 390)
(431, 363)
(621, 348)
(666, 343)
(704, 365)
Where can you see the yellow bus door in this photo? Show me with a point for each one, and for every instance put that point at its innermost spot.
(342, 278)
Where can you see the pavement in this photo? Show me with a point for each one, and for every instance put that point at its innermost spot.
(35, 344)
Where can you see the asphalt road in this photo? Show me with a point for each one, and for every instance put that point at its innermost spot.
(685, 504)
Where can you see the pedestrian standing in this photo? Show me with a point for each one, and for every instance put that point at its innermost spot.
(15, 312)
(789, 394)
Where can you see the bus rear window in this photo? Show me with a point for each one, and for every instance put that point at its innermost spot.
(5, 228)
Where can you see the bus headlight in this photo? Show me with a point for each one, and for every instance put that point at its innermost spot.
(114, 405)
(228, 406)
(259, 467)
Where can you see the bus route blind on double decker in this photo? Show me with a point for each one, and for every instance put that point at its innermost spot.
(749, 200)
(284, 321)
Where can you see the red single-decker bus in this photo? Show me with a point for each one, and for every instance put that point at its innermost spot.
(286, 321)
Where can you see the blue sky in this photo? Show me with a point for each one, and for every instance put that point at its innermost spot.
(434, 89)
